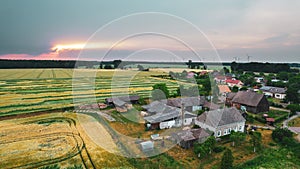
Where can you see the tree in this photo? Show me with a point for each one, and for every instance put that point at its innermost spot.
(140, 67)
(117, 63)
(160, 91)
(142, 101)
(235, 89)
(293, 108)
(206, 86)
(225, 70)
(255, 140)
(190, 64)
(237, 137)
(107, 66)
(227, 160)
(292, 94)
(283, 75)
(203, 149)
(279, 134)
(244, 88)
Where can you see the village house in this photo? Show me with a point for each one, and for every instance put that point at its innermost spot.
(234, 82)
(187, 138)
(219, 79)
(276, 92)
(164, 116)
(123, 103)
(223, 90)
(259, 79)
(190, 104)
(222, 121)
(248, 101)
(167, 113)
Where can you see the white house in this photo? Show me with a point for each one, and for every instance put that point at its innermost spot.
(259, 79)
(164, 116)
(222, 121)
(276, 92)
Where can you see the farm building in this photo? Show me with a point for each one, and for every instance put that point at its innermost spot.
(222, 121)
(123, 103)
(147, 146)
(249, 101)
(276, 92)
(187, 138)
(163, 116)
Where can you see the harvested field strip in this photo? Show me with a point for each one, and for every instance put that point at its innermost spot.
(40, 74)
(53, 73)
(49, 92)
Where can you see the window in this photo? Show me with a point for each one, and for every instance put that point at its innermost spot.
(235, 128)
(225, 131)
(219, 133)
(240, 128)
(229, 130)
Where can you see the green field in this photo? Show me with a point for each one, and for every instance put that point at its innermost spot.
(34, 90)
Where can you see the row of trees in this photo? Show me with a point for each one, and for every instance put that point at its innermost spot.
(264, 67)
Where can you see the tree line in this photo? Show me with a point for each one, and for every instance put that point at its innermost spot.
(261, 67)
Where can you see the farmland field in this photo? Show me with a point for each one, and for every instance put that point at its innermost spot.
(35, 90)
(56, 138)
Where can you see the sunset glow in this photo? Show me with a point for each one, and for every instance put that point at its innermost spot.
(59, 48)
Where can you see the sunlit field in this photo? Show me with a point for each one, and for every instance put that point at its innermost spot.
(56, 138)
(35, 90)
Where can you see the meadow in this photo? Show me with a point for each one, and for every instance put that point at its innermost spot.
(36, 90)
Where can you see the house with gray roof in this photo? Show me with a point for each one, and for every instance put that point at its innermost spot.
(122, 103)
(276, 92)
(167, 117)
(222, 121)
(249, 101)
(190, 103)
(167, 113)
(187, 138)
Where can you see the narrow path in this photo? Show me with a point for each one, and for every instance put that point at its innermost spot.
(285, 122)
(106, 116)
(279, 109)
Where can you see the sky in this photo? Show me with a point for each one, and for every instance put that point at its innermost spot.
(211, 30)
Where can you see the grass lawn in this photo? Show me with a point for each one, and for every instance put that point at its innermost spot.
(295, 122)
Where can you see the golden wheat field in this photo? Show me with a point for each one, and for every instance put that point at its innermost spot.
(55, 138)
(35, 90)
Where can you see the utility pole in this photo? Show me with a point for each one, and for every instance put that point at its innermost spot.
(248, 57)
(182, 115)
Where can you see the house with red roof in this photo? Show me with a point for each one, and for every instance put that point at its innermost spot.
(234, 82)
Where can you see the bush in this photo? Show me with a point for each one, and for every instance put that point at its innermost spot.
(279, 134)
(272, 144)
(294, 108)
(219, 149)
(227, 160)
